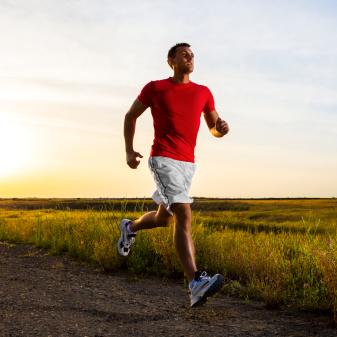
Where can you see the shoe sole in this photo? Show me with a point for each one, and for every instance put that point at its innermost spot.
(212, 290)
(120, 248)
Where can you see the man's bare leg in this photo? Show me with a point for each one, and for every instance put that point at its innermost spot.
(183, 238)
(159, 218)
(182, 232)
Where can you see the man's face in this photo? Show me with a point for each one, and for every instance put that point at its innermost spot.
(183, 61)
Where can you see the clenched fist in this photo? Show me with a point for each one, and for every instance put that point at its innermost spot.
(221, 126)
(132, 159)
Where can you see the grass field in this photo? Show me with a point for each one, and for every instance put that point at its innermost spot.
(281, 251)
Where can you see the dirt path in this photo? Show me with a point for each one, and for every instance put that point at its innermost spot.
(55, 296)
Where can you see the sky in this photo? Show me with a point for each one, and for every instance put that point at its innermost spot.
(70, 70)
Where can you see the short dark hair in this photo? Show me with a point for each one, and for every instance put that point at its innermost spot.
(173, 50)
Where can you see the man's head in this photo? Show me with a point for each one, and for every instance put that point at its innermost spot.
(181, 58)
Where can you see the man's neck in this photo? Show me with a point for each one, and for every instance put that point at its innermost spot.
(181, 78)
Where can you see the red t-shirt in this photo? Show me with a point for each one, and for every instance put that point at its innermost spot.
(176, 110)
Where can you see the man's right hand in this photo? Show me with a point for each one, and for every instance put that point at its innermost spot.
(131, 159)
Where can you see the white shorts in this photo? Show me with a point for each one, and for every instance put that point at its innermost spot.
(173, 179)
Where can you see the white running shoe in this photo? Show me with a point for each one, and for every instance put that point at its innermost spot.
(204, 286)
(126, 239)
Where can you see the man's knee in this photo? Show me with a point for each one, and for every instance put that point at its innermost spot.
(163, 217)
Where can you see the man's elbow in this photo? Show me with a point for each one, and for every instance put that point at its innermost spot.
(129, 117)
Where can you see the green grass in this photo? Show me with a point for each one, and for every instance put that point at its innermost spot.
(278, 251)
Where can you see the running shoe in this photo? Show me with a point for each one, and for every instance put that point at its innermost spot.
(126, 239)
(204, 286)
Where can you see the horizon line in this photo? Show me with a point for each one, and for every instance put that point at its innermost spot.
(149, 198)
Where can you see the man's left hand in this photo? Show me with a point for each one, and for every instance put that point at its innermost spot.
(221, 126)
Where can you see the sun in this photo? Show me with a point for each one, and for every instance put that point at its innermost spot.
(14, 145)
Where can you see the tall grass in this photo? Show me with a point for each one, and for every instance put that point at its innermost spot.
(295, 266)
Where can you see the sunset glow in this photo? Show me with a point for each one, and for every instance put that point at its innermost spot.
(15, 146)
(70, 70)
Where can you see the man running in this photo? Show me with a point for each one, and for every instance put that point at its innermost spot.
(176, 105)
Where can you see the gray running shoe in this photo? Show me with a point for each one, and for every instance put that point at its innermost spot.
(205, 286)
(125, 240)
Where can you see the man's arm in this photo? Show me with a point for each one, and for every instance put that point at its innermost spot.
(216, 125)
(137, 108)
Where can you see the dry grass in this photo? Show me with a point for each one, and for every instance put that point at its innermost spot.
(282, 252)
